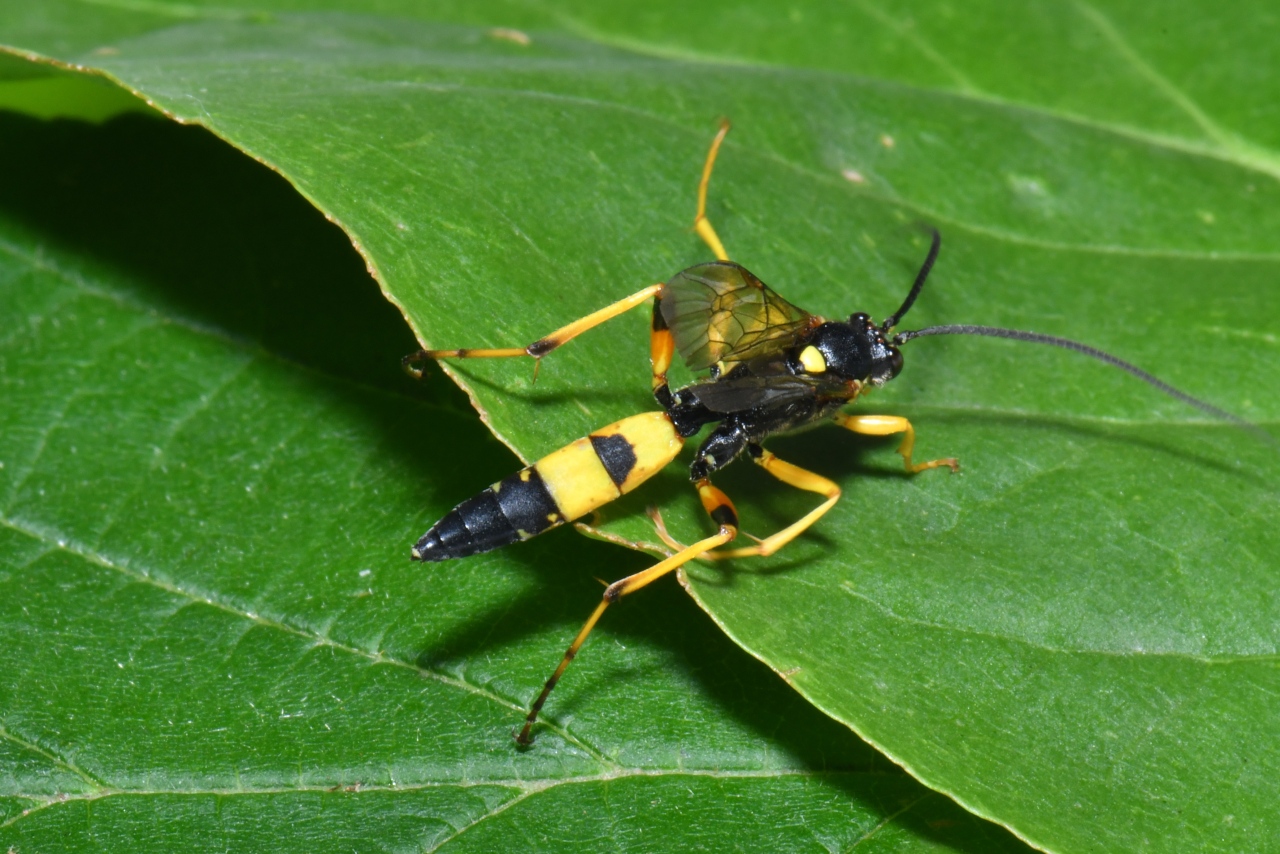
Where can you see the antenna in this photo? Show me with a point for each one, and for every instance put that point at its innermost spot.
(1066, 343)
(892, 320)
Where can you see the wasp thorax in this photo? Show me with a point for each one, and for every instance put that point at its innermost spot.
(853, 350)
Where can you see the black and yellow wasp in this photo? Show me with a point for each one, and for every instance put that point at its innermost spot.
(771, 367)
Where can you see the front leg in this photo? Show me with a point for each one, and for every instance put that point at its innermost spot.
(887, 425)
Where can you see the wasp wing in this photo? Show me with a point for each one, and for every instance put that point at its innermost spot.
(721, 314)
(773, 391)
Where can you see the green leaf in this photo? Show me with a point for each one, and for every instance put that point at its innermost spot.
(1076, 636)
(212, 469)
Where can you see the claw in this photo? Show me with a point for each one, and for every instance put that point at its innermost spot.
(655, 515)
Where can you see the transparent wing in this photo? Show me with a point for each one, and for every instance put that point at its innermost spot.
(720, 313)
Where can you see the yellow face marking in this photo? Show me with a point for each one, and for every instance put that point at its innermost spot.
(812, 360)
(524, 475)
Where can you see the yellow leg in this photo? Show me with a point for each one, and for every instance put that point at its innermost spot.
(701, 224)
(887, 425)
(791, 475)
(660, 528)
(543, 345)
(612, 594)
(720, 508)
(662, 346)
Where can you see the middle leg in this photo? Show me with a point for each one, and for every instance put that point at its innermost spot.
(791, 475)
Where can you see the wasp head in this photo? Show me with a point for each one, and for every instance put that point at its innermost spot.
(852, 350)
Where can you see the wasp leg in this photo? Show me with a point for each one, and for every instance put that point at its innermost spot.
(791, 475)
(701, 224)
(720, 509)
(887, 425)
(660, 527)
(543, 345)
(662, 349)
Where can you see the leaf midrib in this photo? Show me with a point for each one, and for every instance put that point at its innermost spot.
(522, 788)
(525, 785)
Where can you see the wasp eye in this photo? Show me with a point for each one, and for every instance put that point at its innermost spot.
(895, 361)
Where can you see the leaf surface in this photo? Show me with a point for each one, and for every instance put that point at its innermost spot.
(1075, 636)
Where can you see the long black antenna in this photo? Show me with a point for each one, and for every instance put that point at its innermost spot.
(1037, 338)
(892, 320)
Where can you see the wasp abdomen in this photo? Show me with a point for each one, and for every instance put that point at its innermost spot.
(561, 487)
(515, 508)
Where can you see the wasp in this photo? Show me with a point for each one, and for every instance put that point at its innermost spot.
(770, 368)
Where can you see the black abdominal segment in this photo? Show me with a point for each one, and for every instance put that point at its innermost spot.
(515, 508)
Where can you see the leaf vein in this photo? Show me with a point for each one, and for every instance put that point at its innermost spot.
(909, 33)
(52, 756)
(201, 405)
(889, 819)
(1211, 660)
(278, 624)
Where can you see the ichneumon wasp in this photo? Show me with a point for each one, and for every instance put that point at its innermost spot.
(770, 368)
